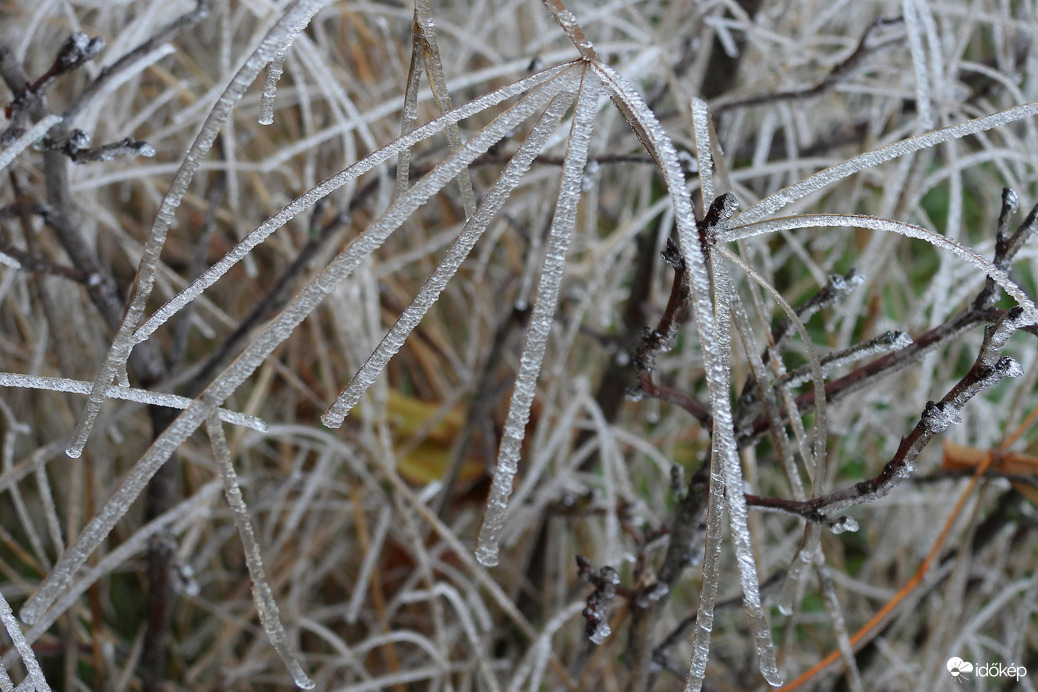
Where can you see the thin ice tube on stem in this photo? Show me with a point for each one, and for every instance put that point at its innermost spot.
(266, 341)
(293, 21)
(22, 646)
(262, 595)
(560, 233)
(326, 187)
(449, 264)
(828, 176)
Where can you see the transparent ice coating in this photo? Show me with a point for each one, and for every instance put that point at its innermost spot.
(142, 396)
(329, 185)
(725, 462)
(915, 14)
(541, 318)
(296, 17)
(270, 85)
(908, 230)
(23, 647)
(438, 83)
(262, 346)
(704, 152)
(831, 175)
(449, 264)
(32, 135)
(262, 596)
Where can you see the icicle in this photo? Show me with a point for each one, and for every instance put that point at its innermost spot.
(277, 331)
(266, 607)
(294, 20)
(452, 259)
(544, 307)
(725, 453)
(35, 133)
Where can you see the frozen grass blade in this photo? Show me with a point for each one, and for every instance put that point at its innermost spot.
(273, 335)
(326, 187)
(831, 175)
(449, 264)
(279, 36)
(140, 396)
(559, 235)
(731, 474)
(908, 230)
(426, 26)
(266, 607)
(23, 647)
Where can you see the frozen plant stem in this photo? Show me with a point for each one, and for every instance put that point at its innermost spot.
(279, 329)
(261, 593)
(279, 36)
(544, 307)
(449, 264)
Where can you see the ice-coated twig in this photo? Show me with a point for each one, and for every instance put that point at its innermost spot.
(659, 146)
(140, 396)
(294, 20)
(987, 370)
(449, 264)
(329, 185)
(559, 236)
(23, 647)
(136, 60)
(880, 345)
(426, 27)
(273, 335)
(266, 607)
(831, 175)
(26, 140)
(572, 28)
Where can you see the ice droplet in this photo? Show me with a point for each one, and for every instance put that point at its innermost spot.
(844, 524)
(937, 417)
(600, 634)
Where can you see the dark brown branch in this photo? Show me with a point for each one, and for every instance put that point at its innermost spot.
(880, 34)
